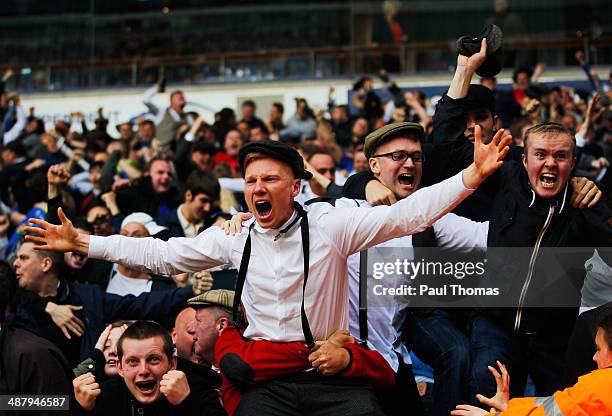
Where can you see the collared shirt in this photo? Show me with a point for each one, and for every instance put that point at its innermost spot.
(385, 323)
(272, 293)
(189, 229)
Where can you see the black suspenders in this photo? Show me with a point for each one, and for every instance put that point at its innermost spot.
(244, 265)
(363, 297)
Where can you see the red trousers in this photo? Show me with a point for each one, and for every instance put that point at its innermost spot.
(251, 362)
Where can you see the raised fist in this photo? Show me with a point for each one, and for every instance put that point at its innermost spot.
(86, 390)
(174, 386)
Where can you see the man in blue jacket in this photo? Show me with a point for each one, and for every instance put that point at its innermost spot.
(39, 272)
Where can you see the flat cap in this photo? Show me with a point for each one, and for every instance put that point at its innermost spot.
(494, 62)
(373, 139)
(276, 150)
(218, 297)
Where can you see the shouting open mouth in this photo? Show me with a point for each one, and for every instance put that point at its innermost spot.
(406, 179)
(548, 180)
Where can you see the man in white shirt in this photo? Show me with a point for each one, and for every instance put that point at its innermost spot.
(396, 159)
(278, 302)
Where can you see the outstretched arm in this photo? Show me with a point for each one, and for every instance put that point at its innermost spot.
(209, 249)
(63, 237)
(354, 229)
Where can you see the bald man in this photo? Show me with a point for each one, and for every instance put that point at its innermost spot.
(182, 337)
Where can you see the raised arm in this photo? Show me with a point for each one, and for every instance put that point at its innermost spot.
(147, 99)
(358, 229)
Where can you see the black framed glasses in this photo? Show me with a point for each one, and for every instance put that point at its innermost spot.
(402, 156)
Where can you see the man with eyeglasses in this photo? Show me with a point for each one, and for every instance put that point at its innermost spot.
(395, 156)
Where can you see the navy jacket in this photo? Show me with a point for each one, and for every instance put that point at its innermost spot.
(171, 221)
(102, 308)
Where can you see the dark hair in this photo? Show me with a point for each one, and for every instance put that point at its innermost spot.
(606, 326)
(204, 147)
(163, 158)
(141, 330)
(57, 257)
(279, 107)
(523, 69)
(249, 103)
(311, 150)
(81, 222)
(549, 128)
(203, 183)
(148, 122)
(8, 286)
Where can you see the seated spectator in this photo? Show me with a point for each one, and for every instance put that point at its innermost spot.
(201, 194)
(148, 382)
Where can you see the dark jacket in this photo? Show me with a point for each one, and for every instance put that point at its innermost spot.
(521, 219)
(101, 308)
(171, 221)
(517, 218)
(204, 383)
(455, 153)
(140, 197)
(115, 399)
(32, 365)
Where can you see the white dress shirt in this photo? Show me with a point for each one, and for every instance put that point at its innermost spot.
(272, 293)
(385, 323)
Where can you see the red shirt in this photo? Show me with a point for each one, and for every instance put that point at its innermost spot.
(222, 157)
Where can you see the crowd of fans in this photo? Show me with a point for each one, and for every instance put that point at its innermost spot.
(144, 343)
